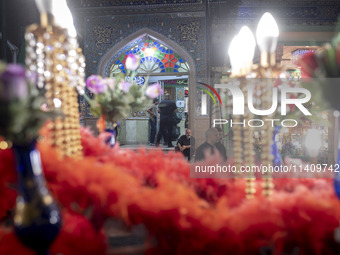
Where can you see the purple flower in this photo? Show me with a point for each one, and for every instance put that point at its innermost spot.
(154, 90)
(13, 83)
(132, 62)
(96, 84)
(124, 86)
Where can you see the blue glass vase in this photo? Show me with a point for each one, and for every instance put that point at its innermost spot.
(111, 128)
(37, 218)
(337, 174)
(337, 184)
(111, 140)
(277, 161)
(337, 178)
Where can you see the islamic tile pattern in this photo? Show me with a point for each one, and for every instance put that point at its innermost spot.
(102, 35)
(189, 32)
(180, 96)
(119, 53)
(155, 57)
(305, 12)
(316, 13)
(105, 3)
(179, 93)
(121, 27)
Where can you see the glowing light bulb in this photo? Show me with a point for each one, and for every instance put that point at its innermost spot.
(247, 45)
(63, 16)
(44, 6)
(267, 33)
(61, 13)
(234, 55)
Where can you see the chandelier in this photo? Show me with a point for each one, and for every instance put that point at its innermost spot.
(241, 53)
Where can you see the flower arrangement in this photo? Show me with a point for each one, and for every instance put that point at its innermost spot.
(322, 70)
(115, 98)
(21, 111)
(324, 63)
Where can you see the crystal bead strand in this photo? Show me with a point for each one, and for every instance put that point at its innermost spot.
(60, 65)
(266, 155)
(248, 143)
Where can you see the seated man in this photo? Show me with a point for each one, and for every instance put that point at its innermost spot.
(184, 144)
(209, 146)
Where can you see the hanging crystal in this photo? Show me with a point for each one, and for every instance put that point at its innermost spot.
(53, 52)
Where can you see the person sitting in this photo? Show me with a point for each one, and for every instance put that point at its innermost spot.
(185, 143)
(208, 147)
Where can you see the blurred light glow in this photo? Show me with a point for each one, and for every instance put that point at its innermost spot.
(283, 75)
(204, 104)
(234, 53)
(150, 51)
(3, 145)
(247, 46)
(63, 16)
(57, 102)
(61, 13)
(313, 142)
(267, 33)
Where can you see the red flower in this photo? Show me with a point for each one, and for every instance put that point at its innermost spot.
(101, 123)
(78, 236)
(308, 63)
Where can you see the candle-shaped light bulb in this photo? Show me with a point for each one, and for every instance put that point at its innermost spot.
(56, 12)
(234, 52)
(267, 33)
(63, 16)
(247, 44)
(44, 6)
(45, 10)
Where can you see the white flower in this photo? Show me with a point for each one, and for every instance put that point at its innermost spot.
(132, 62)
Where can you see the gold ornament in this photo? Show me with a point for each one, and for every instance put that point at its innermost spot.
(57, 59)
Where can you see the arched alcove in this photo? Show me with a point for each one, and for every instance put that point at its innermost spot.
(112, 55)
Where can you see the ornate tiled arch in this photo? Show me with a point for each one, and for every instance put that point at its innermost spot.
(112, 54)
